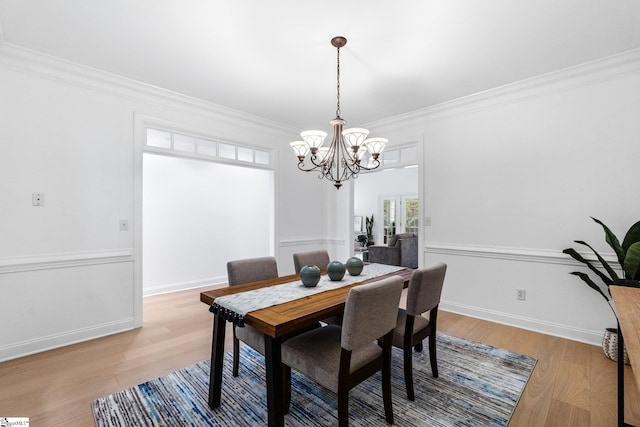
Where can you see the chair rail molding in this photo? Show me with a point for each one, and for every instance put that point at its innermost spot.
(64, 260)
(304, 241)
(546, 256)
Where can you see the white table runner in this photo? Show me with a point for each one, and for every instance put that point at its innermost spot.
(236, 306)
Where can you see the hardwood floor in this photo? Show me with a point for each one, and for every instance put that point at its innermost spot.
(573, 384)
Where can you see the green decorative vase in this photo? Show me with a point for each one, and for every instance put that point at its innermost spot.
(310, 275)
(335, 270)
(354, 266)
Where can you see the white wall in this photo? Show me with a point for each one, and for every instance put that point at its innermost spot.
(511, 178)
(67, 273)
(197, 215)
(308, 206)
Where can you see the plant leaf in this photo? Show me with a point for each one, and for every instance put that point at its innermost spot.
(575, 255)
(585, 277)
(612, 240)
(627, 282)
(612, 274)
(632, 236)
(632, 262)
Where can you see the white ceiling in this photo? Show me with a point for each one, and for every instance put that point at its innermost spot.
(274, 58)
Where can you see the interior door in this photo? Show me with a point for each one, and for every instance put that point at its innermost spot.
(410, 213)
(389, 217)
(399, 215)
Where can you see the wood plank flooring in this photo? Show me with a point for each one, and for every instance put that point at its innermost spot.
(573, 384)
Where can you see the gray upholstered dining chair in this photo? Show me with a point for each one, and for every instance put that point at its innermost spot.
(423, 294)
(245, 271)
(319, 258)
(341, 357)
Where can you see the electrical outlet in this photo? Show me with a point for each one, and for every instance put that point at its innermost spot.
(521, 294)
(37, 199)
(123, 224)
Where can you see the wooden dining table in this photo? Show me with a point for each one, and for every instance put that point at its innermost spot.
(276, 323)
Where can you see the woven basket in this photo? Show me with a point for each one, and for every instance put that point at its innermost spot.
(610, 345)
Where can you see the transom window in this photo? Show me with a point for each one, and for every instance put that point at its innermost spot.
(400, 155)
(198, 146)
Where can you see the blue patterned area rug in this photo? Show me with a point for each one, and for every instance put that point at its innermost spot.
(479, 385)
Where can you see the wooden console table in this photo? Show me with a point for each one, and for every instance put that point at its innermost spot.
(627, 303)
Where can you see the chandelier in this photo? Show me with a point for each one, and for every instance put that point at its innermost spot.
(350, 150)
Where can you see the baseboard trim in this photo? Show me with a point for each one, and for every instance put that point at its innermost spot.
(63, 339)
(148, 291)
(64, 260)
(535, 325)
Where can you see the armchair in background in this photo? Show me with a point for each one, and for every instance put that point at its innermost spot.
(401, 249)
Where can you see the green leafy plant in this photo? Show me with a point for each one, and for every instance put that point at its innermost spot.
(369, 225)
(362, 238)
(627, 253)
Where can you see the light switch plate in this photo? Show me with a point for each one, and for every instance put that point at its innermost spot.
(37, 199)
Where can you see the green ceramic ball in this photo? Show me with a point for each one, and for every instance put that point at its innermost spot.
(335, 270)
(310, 275)
(354, 266)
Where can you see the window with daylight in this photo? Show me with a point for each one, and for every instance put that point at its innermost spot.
(180, 143)
(400, 215)
(400, 156)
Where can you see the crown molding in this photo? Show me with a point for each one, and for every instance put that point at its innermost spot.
(68, 72)
(603, 69)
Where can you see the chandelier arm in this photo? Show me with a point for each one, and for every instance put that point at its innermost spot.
(376, 163)
(349, 160)
(301, 166)
(315, 165)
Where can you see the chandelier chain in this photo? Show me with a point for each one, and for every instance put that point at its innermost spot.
(338, 84)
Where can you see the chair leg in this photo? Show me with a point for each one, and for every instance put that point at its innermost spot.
(236, 352)
(286, 381)
(386, 387)
(408, 373)
(432, 355)
(408, 356)
(418, 347)
(343, 387)
(343, 408)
